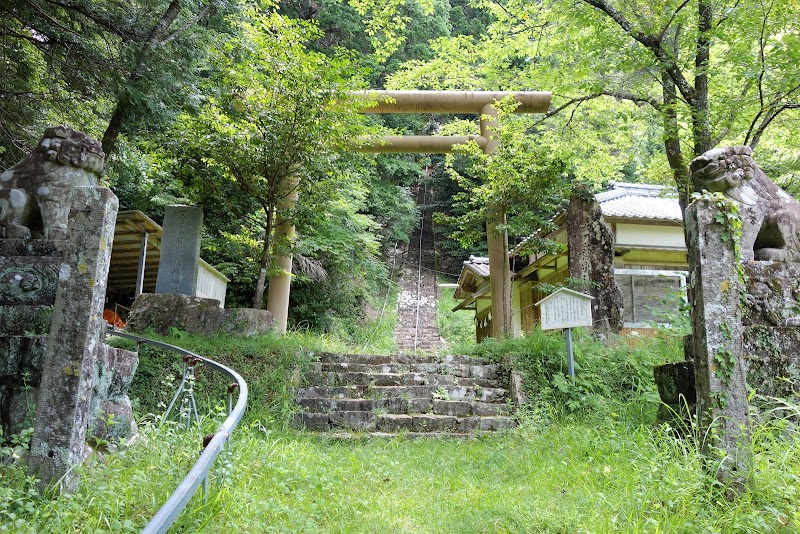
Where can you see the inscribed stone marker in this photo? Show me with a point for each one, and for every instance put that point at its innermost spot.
(180, 251)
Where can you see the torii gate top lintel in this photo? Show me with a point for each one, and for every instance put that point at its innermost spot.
(477, 102)
(454, 101)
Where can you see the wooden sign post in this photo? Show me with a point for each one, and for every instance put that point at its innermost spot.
(566, 309)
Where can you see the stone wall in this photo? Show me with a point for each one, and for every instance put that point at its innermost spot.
(28, 280)
(772, 327)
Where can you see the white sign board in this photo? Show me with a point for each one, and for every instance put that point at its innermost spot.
(565, 308)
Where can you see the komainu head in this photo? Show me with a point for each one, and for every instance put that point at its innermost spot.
(770, 216)
(35, 193)
(722, 169)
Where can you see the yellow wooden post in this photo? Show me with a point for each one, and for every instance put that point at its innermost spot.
(497, 240)
(280, 283)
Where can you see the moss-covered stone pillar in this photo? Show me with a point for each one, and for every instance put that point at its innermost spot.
(59, 438)
(720, 374)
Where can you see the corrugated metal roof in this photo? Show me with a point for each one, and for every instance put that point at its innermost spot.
(640, 201)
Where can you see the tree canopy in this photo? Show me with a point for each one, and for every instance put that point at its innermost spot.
(219, 103)
(700, 71)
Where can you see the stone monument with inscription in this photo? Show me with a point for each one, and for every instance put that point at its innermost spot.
(180, 251)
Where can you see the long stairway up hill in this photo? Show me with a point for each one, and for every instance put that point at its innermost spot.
(409, 393)
(416, 328)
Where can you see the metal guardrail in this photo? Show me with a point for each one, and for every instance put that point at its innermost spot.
(170, 510)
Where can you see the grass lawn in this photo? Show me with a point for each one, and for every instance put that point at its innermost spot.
(585, 458)
(570, 477)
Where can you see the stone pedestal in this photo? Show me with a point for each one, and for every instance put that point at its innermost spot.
(28, 280)
(58, 442)
(717, 345)
(195, 315)
(110, 413)
(772, 327)
(180, 251)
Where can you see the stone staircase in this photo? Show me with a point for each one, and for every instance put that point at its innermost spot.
(416, 329)
(412, 395)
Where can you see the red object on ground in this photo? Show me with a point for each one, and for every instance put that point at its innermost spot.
(113, 319)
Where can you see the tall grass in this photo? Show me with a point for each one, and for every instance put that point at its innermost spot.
(565, 476)
(585, 458)
(457, 328)
(613, 374)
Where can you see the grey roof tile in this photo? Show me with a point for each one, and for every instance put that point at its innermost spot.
(640, 201)
(478, 265)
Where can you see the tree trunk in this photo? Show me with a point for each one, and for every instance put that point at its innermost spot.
(258, 297)
(123, 107)
(672, 141)
(701, 123)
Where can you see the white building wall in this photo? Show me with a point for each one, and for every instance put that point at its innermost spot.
(652, 235)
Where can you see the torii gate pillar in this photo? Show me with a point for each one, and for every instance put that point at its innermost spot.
(497, 241)
(481, 102)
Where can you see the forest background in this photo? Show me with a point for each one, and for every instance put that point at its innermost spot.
(214, 103)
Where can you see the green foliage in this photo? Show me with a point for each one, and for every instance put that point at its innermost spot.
(598, 461)
(585, 476)
(267, 363)
(612, 376)
(626, 80)
(278, 113)
(141, 175)
(457, 328)
(394, 210)
(520, 178)
(386, 22)
(74, 62)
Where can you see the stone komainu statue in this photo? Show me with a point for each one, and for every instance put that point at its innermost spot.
(770, 216)
(34, 193)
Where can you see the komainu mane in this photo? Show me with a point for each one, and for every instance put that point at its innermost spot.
(770, 216)
(35, 193)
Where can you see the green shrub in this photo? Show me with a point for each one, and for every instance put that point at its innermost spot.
(612, 375)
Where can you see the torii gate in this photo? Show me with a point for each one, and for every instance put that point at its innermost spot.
(473, 102)
(479, 102)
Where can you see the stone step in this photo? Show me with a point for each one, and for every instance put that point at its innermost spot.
(368, 421)
(399, 405)
(332, 378)
(440, 423)
(375, 359)
(408, 393)
(455, 369)
(483, 394)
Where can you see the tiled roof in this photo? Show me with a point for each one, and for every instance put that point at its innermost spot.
(639, 201)
(478, 265)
